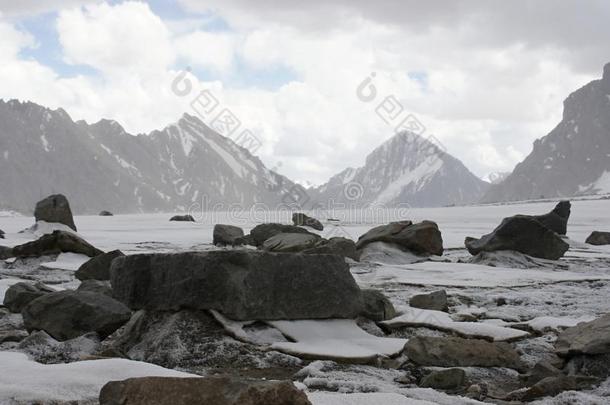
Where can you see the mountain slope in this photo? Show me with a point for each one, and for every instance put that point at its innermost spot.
(406, 169)
(100, 166)
(574, 158)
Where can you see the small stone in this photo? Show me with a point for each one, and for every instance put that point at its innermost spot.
(436, 301)
(182, 218)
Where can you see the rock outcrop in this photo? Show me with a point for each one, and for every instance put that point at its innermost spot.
(55, 208)
(300, 219)
(55, 243)
(523, 234)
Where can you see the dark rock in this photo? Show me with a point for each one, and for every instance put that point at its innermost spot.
(449, 379)
(458, 352)
(585, 338)
(227, 234)
(540, 371)
(300, 219)
(96, 286)
(262, 232)
(597, 365)
(242, 285)
(216, 390)
(55, 243)
(1, 234)
(290, 242)
(552, 386)
(598, 238)
(436, 301)
(523, 234)
(423, 238)
(6, 252)
(335, 246)
(377, 306)
(98, 268)
(106, 214)
(556, 220)
(182, 218)
(68, 314)
(55, 208)
(191, 339)
(245, 240)
(20, 294)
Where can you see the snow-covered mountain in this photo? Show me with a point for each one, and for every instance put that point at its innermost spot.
(574, 158)
(496, 177)
(101, 167)
(405, 169)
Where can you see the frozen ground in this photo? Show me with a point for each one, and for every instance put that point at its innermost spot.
(484, 300)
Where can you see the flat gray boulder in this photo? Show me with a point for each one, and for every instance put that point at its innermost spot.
(523, 234)
(422, 239)
(598, 238)
(98, 268)
(55, 208)
(436, 301)
(589, 338)
(377, 307)
(224, 235)
(20, 294)
(243, 285)
(55, 243)
(458, 352)
(68, 314)
(290, 242)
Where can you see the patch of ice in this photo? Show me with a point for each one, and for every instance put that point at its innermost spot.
(67, 261)
(326, 398)
(337, 339)
(442, 320)
(45, 142)
(544, 323)
(41, 228)
(23, 380)
(467, 275)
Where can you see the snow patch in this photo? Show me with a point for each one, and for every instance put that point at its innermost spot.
(67, 261)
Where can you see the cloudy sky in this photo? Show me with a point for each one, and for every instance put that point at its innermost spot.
(485, 78)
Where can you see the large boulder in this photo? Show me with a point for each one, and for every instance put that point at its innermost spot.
(260, 233)
(216, 390)
(20, 294)
(523, 234)
(290, 242)
(458, 352)
(335, 246)
(55, 243)
(243, 285)
(422, 239)
(377, 307)
(96, 286)
(598, 238)
(436, 301)
(97, 268)
(556, 220)
(300, 219)
(227, 234)
(182, 218)
(55, 208)
(591, 338)
(68, 314)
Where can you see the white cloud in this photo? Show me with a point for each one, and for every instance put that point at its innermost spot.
(123, 39)
(484, 90)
